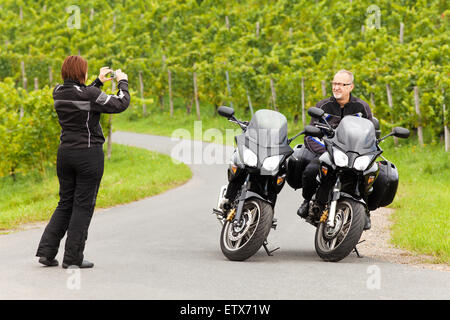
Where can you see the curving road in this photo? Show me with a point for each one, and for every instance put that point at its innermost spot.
(167, 247)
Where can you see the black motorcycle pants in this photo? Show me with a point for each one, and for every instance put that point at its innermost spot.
(79, 173)
(309, 182)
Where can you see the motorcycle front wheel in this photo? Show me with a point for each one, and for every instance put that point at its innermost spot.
(334, 244)
(240, 241)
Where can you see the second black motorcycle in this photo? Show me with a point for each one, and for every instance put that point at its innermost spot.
(351, 181)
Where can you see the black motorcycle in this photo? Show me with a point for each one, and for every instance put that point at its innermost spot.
(257, 174)
(351, 181)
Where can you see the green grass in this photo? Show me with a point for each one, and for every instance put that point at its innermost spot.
(422, 215)
(131, 174)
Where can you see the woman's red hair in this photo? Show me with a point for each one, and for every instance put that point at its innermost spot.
(74, 68)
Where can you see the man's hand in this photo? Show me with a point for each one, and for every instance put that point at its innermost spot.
(103, 72)
(121, 75)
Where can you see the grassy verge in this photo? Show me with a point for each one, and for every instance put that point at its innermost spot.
(422, 216)
(131, 174)
(421, 221)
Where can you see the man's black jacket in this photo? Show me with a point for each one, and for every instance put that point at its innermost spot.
(79, 108)
(334, 115)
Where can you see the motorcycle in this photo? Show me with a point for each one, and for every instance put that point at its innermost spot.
(351, 181)
(257, 171)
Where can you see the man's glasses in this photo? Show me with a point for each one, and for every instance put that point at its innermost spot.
(339, 84)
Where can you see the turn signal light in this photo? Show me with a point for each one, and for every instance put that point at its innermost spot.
(234, 169)
(371, 179)
(280, 180)
(324, 170)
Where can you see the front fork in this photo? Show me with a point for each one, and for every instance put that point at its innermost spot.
(236, 215)
(334, 199)
(242, 198)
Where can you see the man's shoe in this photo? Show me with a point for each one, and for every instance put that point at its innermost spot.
(48, 262)
(368, 225)
(304, 209)
(85, 264)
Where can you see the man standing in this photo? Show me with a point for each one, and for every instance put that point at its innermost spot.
(341, 104)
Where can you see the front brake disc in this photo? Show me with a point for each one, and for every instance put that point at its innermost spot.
(236, 235)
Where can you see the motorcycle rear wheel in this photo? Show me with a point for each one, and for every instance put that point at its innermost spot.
(239, 243)
(336, 244)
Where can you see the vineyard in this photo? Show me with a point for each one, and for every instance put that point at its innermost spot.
(248, 54)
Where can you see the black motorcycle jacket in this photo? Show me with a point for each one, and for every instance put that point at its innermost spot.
(334, 114)
(79, 108)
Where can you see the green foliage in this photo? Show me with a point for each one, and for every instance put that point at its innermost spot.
(30, 140)
(296, 39)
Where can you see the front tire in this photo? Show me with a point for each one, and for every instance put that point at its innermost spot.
(239, 243)
(337, 243)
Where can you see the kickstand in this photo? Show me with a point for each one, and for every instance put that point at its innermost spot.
(356, 250)
(269, 253)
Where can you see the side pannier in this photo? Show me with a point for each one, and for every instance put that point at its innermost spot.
(384, 187)
(296, 164)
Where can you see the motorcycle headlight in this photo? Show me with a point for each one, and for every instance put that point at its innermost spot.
(271, 163)
(250, 158)
(340, 158)
(362, 162)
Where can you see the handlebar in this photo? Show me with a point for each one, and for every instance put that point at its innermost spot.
(294, 137)
(329, 130)
(242, 124)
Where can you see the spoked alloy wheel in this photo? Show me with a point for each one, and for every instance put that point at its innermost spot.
(241, 241)
(334, 244)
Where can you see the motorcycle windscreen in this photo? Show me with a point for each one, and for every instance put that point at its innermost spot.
(356, 134)
(266, 135)
(267, 128)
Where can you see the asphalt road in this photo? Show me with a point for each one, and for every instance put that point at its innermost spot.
(167, 247)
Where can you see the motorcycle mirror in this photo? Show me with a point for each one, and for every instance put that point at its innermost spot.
(316, 112)
(400, 132)
(225, 111)
(313, 131)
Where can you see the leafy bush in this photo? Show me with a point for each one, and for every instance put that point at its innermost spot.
(29, 129)
(30, 140)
